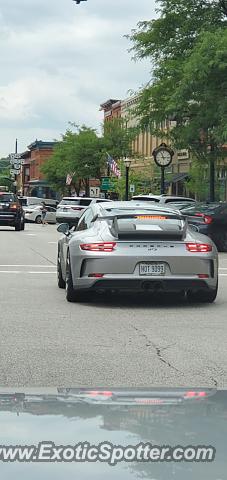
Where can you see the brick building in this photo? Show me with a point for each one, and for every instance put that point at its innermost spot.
(145, 143)
(111, 109)
(32, 179)
(179, 172)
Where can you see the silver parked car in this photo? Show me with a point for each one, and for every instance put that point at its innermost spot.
(129, 246)
(70, 209)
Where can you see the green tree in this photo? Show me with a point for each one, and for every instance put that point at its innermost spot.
(187, 47)
(5, 173)
(118, 138)
(81, 154)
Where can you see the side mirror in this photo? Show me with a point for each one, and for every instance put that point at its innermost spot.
(63, 228)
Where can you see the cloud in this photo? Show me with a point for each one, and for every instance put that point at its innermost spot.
(59, 61)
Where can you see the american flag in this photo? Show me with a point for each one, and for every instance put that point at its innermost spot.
(113, 166)
(68, 179)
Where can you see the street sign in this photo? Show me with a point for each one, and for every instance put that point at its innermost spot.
(94, 192)
(106, 184)
(132, 188)
(15, 160)
(183, 154)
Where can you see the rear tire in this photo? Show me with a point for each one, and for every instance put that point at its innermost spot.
(61, 281)
(38, 219)
(72, 295)
(208, 296)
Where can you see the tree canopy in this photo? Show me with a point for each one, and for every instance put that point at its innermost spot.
(187, 46)
(83, 154)
(80, 154)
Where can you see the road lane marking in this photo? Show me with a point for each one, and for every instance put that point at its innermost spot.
(27, 272)
(53, 243)
(29, 266)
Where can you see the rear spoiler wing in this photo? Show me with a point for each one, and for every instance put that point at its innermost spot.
(121, 232)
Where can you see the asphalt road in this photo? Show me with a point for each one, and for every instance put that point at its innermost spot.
(120, 341)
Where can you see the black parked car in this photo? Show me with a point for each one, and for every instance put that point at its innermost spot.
(11, 211)
(211, 220)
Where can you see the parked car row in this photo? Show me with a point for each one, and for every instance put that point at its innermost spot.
(208, 218)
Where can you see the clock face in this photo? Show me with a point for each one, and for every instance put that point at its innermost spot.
(163, 158)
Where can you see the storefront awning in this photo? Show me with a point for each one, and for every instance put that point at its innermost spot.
(180, 177)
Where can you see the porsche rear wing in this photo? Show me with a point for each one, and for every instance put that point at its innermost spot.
(153, 226)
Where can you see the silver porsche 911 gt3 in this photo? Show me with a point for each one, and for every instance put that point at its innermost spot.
(136, 247)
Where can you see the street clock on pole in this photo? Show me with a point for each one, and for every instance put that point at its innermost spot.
(163, 157)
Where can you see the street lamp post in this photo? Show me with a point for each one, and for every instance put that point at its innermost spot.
(127, 163)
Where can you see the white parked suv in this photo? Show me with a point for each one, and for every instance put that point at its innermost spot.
(163, 199)
(70, 209)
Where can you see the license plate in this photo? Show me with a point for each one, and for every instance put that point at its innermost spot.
(152, 269)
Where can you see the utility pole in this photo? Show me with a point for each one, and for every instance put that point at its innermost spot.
(212, 173)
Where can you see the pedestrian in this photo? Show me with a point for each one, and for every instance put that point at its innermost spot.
(44, 212)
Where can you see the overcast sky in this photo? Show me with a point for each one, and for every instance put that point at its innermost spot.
(60, 60)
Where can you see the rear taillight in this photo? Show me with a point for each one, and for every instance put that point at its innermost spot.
(98, 247)
(192, 394)
(76, 208)
(199, 247)
(207, 218)
(96, 275)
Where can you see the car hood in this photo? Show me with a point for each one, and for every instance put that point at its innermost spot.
(68, 420)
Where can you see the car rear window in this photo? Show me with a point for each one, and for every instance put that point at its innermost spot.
(147, 199)
(75, 201)
(7, 198)
(174, 200)
(208, 209)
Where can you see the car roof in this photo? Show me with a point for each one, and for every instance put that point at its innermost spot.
(149, 195)
(77, 198)
(168, 197)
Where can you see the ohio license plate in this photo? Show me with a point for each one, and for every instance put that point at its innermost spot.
(152, 269)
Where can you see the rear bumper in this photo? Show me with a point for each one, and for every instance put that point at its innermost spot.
(9, 219)
(153, 284)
